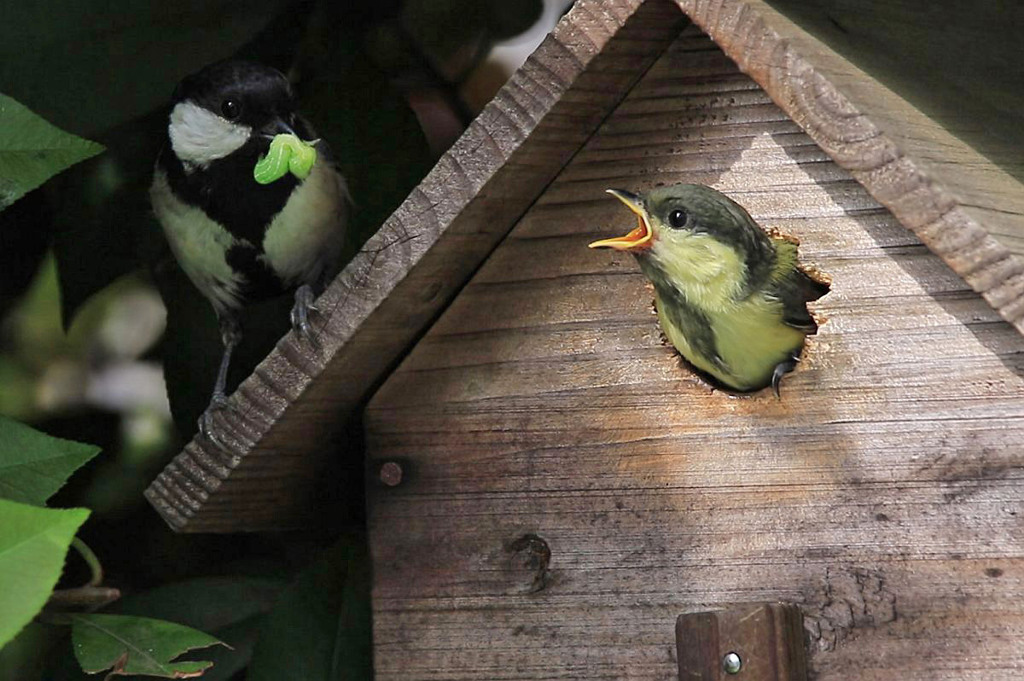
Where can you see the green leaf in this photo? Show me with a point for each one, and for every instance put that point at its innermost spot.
(32, 151)
(33, 544)
(137, 645)
(230, 608)
(33, 465)
(320, 629)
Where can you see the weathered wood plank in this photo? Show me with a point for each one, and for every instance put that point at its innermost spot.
(763, 641)
(964, 207)
(569, 489)
(960, 205)
(953, 61)
(271, 467)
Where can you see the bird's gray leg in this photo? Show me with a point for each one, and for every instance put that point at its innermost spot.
(231, 336)
(304, 297)
(781, 369)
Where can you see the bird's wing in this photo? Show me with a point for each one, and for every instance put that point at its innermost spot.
(795, 291)
(794, 288)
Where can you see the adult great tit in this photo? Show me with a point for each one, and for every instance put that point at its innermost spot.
(730, 298)
(238, 240)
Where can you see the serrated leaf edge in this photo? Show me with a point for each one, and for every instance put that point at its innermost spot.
(171, 673)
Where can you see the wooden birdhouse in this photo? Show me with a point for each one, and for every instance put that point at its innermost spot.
(550, 486)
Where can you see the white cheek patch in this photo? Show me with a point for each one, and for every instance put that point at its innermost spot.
(199, 136)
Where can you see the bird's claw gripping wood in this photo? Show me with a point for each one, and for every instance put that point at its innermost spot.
(781, 369)
(301, 312)
(218, 402)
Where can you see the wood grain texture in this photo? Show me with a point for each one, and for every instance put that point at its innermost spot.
(271, 468)
(961, 205)
(766, 638)
(955, 62)
(569, 488)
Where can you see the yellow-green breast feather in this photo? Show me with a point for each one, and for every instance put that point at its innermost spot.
(730, 298)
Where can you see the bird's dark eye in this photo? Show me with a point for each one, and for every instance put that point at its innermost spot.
(677, 218)
(231, 108)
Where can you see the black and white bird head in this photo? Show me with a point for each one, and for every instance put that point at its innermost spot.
(237, 239)
(228, 106)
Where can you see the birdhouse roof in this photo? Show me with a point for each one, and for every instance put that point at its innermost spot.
(282, 433)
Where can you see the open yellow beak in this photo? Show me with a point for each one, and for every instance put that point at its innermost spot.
(639, 238)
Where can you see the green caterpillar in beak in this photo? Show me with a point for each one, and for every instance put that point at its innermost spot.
(287, 153)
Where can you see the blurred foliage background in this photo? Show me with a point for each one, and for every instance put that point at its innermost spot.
(103, 340)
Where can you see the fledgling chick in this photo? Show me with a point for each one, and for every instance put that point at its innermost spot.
(729, 297)
(240, 240)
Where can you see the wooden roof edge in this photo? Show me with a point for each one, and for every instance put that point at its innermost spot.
(962, 206)
(260, 476)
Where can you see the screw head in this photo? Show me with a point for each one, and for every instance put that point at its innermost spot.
(391, 474)
(732, 663)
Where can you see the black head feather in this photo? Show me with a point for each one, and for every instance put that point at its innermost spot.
(702, 209)
(259, 94)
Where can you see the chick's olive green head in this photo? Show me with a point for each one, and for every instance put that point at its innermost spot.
(692, 232)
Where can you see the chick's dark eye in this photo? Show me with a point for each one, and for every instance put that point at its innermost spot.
(231, 109)
(677, 218)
